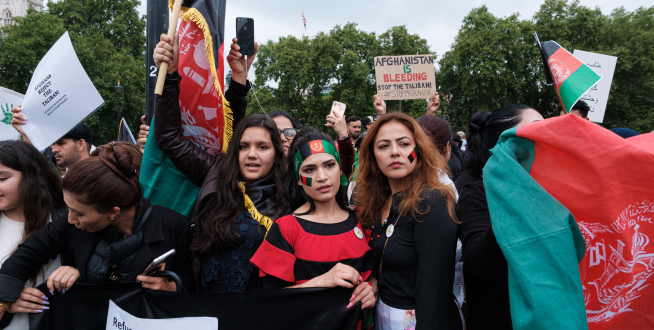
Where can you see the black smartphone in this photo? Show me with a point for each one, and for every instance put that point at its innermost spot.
(245, 35)
(154, 265)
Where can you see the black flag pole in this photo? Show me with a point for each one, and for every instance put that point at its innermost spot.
(548, 74)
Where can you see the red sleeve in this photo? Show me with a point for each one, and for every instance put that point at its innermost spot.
(275, 255)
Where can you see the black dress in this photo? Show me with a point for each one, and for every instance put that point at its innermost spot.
(418, 262)
(485, 272)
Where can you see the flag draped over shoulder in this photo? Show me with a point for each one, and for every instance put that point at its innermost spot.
(570, 76)
(562, 189)
(206, 116)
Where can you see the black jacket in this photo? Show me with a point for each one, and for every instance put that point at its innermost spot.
(163, 230)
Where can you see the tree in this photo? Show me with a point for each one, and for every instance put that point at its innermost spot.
(495, 61)
(109, 40)
(342, 60)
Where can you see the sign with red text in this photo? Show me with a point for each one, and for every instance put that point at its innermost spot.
(405, 77)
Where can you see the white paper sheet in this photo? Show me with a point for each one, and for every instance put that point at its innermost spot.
(60, 95)
(598, 95)
(118, 319)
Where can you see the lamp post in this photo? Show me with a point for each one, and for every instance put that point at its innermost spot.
(119, 88)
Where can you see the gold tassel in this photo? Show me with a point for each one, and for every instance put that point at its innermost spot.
(228, 117)
(260, 218)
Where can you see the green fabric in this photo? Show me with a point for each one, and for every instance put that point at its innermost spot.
(540, 240)
(576, 85)
(304, 151)
(163, 184)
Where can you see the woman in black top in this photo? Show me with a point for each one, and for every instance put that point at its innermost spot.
(485, 273)
(111, 232)
(412, 216)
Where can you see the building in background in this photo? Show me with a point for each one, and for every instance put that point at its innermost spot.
(16, 8)
(228, 79)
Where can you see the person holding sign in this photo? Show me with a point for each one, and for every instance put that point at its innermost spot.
(293, 253)
(413, 219)
(111, 232)
(31, 197)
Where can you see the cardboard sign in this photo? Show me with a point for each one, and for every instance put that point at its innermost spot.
(598, 95)
(118, 319)
(405, 77)
(60, 95)
(8, 100)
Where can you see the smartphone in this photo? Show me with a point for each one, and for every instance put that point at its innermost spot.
(338, 108)
(245, 35)
(154, 265)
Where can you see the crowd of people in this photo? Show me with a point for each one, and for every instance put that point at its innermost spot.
(397, 213)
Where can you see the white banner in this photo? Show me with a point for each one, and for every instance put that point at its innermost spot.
(118, 319)
(598, 95)
(59, 97)
(8, 100)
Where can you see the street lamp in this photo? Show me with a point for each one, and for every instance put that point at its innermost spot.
(118, 89)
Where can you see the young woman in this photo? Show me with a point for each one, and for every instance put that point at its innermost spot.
(321, 244)
(412, 214)
(485, 271)
(241, 189)
(30, 196)
(288, 127)
(111, 231)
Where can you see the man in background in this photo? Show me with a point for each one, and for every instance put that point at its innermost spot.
(353, 127)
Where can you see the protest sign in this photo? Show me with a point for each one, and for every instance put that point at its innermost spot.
(598, 95)
(8, 100)
(405, 77)
(60, 95)
(118, 319)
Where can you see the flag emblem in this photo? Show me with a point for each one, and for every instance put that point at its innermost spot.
(358, 233)
(413, 155)
(390, 230)
(306, 181)
(316, 146)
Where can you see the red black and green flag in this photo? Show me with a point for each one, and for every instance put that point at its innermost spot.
(413, 155)
(574, 226)
(570, 76)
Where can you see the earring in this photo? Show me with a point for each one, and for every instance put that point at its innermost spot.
(111, 219)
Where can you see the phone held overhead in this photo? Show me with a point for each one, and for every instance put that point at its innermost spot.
(245, 35)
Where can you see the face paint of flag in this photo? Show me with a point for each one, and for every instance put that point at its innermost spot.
(306, 181)
(413, 155)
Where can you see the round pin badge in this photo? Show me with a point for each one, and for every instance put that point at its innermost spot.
(389, 230)
(358, 233)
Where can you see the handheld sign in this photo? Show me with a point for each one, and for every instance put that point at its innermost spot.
(598, 95)
(405, 77)
(118, 319)
(8, 100)
(60, 95)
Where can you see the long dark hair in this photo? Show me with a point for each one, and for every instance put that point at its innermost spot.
(484, 131)
(106, 181)
(295, 192)
(40, 187)
(438, 130)
(215, 220)
(288, 116)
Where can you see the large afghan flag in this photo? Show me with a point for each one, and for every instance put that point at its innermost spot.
(572, 207)
(570, 76)
(206, 116)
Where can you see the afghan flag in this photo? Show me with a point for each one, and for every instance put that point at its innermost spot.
(570, 76)
(206, 116)
(572, 208)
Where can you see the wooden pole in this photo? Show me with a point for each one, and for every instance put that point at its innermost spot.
(163, 67)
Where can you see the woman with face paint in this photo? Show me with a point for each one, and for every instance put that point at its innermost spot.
(321, 244)
(413, 220)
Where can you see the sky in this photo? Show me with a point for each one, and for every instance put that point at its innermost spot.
(436, 21)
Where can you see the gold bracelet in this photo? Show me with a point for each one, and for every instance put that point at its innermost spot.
(5, 305)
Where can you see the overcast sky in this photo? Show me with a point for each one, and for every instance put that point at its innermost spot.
(436, 21)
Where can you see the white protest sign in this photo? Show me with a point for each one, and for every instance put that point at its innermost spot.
(8, 100)
(405, 77)
(60, 95)
(118, 319)
(598, 95)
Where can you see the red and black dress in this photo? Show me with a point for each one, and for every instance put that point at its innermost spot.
(297, 250)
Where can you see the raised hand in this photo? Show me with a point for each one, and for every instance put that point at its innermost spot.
(144, 129)
(379, 104)
(237, 62)
(433, 105)
(167, 51)
(338, 123)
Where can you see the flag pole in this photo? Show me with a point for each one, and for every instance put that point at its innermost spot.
(172, 27)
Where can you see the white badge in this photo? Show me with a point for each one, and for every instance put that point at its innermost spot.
(358, 232)
(389, 230)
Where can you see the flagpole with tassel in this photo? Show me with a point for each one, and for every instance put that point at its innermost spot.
(172, 27)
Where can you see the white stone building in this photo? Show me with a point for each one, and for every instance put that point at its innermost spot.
(14, 8)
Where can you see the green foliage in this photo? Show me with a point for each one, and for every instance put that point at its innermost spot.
(342, 59)
(109, 39)
(494, 61)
